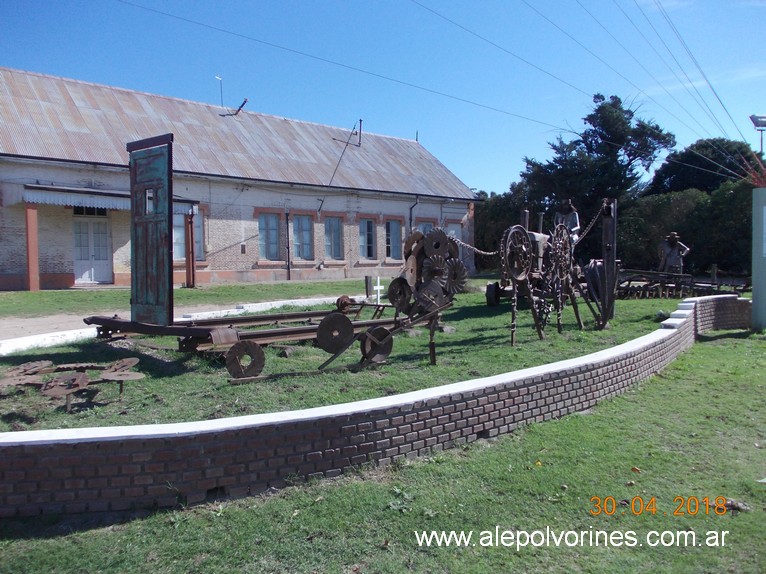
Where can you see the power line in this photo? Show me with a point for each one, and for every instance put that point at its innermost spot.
(503, 49)
(612, 68)
(342, 65)
(697, 64)
(698, 97)
(661, 84)
(623, 77)
(430, 90)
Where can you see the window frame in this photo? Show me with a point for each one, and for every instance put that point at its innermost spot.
(303, 237)
(367, 239)
(331, 242)
(179, 237)
(268, 236)
(394, 248)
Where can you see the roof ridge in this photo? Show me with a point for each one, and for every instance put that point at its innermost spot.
(93, 121)
(195, 102)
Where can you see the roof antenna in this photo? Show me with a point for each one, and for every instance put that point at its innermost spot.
(354, 132)
(239, 109)
(220, 81)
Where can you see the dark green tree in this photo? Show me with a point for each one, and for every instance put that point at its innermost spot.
(726, 236)
(605, 160)
(716, 226)
(494, 214)
(704, 165)
(644, 222)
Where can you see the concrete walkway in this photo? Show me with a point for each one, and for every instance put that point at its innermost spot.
(21, 333)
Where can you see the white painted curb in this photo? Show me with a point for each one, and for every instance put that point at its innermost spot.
(9, 346)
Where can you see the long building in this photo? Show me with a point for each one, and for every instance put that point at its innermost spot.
(341, 203)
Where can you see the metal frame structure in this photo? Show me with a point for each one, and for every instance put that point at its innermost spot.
(541, 268)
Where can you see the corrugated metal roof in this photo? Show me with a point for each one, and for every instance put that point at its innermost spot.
(58, 118)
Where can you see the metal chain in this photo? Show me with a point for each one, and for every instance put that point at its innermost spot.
(591, 224)
(493, 253)
(474, 249)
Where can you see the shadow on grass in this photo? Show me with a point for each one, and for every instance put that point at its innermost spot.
(150, 364)
(723, 335)
(55, 525)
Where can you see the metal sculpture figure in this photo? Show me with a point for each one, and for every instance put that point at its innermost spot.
(432, 274)
(540, 268)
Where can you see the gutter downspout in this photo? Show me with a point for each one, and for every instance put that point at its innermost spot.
(287, 225)
(417, 200)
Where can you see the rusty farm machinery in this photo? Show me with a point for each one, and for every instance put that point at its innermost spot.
(431, 276)
(541, 269)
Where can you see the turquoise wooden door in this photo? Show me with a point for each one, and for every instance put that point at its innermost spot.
(151, 234)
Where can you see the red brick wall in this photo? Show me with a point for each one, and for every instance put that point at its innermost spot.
(91, 470)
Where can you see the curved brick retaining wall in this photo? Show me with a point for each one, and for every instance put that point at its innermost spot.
(154, 466)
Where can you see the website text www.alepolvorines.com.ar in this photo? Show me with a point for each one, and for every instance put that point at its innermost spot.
(548, 537)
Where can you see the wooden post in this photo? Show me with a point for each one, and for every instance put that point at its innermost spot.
(191, 271)
(609, 250)
(431, 343)
(33, 248)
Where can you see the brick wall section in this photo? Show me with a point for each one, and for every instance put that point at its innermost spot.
(722, 312)
(153, 466)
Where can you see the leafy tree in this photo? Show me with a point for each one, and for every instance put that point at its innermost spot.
(716, 226)
(494, 214)
(604, 161)
(727, 232)
(644, 222)
(704, 165)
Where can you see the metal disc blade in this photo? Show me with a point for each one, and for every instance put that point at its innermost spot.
(377, 344)
(457, 276)
(436, 243)
(335, 333)
(399, 293)
(245, 359)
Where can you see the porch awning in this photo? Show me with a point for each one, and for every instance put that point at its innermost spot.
(88, 197)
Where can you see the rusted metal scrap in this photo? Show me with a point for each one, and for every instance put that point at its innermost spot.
(69, 378)
(433, 268)
(540, 268)
(432, 274)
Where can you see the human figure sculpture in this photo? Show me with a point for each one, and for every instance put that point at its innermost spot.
(567, 215)
(672, 252)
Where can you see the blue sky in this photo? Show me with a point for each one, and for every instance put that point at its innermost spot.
(481, 83)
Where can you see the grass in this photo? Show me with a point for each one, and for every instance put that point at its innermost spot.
(94, 301)
(181, 387)
(695, 430)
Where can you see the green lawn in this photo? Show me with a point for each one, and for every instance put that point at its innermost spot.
(93, 301)
(182, 387)
(696, 430)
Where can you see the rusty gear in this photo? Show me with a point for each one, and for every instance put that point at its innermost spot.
(399, 294)
(435, 269)
(410, 272)
(343, 302)
(518, 251)
(561, 251)
(436, 243)
(412, 240)
(456, 276)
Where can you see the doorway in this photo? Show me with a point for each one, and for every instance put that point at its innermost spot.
(92, 250)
